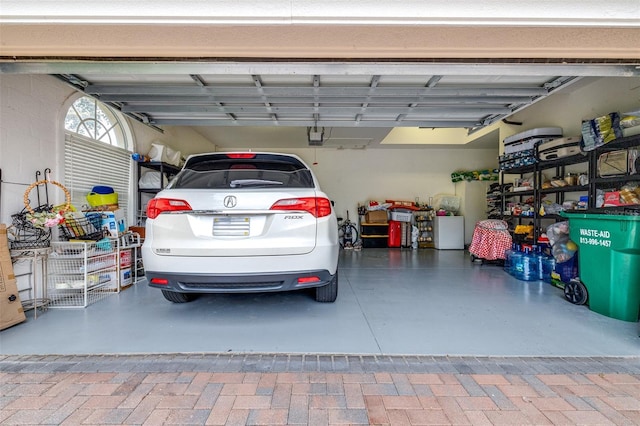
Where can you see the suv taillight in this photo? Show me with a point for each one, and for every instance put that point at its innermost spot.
(160, 205)
(317, 206)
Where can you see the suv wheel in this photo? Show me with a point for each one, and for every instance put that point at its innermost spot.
(328, 293)
(174, 297)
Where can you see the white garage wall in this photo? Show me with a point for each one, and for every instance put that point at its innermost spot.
(32, 110)
(353, 176)
(30, 136)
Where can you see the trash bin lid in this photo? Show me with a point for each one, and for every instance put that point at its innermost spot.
(599, 216)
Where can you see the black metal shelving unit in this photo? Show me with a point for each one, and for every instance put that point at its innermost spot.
(515, 220)
(559, 166)
(610, 182)
(537, 192)
(166, 171)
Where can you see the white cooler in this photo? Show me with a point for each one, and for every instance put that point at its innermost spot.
(448, 232)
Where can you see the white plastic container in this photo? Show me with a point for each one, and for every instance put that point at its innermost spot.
(401, 216)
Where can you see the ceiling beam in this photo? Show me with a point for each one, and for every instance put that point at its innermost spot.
(215, 66)
(309, 92)
(302, 110)
(333, 100)
(320, 123)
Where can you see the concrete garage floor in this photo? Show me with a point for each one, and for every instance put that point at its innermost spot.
(391, 302)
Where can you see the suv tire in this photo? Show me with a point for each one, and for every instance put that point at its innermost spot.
(174, 297)
(328, 293)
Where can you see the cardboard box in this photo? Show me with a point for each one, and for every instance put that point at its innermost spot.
(6, 267)
(138, 230)
(11, 311)
(376, 216)
(126, 277)
(114, 222)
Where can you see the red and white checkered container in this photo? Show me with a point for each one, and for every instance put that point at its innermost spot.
(491, 238)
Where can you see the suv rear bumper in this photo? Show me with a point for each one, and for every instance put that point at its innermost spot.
(249, 283)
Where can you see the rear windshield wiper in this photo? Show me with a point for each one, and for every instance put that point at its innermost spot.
(240, 183)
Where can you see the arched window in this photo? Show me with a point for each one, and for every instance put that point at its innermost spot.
(89, 118)
(97, 151)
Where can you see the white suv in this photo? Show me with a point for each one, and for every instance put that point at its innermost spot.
(241, 222)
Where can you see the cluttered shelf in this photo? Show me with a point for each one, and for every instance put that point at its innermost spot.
(369, 230)
(153, 177)
(522, 193)
(615, 173)
(534, 197)
(525, 215)
(619, 144)
(159, 166)
(554, 216)
(617, 179)
(567, 188)
(149, 190)
(563, 161)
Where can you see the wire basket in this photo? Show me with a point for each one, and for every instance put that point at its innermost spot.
(31, 228)
(25, 235)
(87, 227)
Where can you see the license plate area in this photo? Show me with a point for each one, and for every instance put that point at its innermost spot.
(231, 226)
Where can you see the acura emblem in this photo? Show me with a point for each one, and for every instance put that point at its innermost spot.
(230, 201)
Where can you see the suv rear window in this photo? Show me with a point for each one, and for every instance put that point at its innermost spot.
(222, 171)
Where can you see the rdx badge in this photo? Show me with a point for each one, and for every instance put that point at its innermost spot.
(293, 217)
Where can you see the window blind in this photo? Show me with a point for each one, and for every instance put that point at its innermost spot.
(89, 163)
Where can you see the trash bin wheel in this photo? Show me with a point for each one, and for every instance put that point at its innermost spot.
(575, 292)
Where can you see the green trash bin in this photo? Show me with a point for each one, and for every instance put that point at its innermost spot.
(609, 262)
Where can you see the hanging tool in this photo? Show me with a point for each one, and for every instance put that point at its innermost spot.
(47, 178)
(37, 187)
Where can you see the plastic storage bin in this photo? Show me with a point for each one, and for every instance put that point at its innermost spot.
(94, 199)
(609, 259)
(401, 216)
